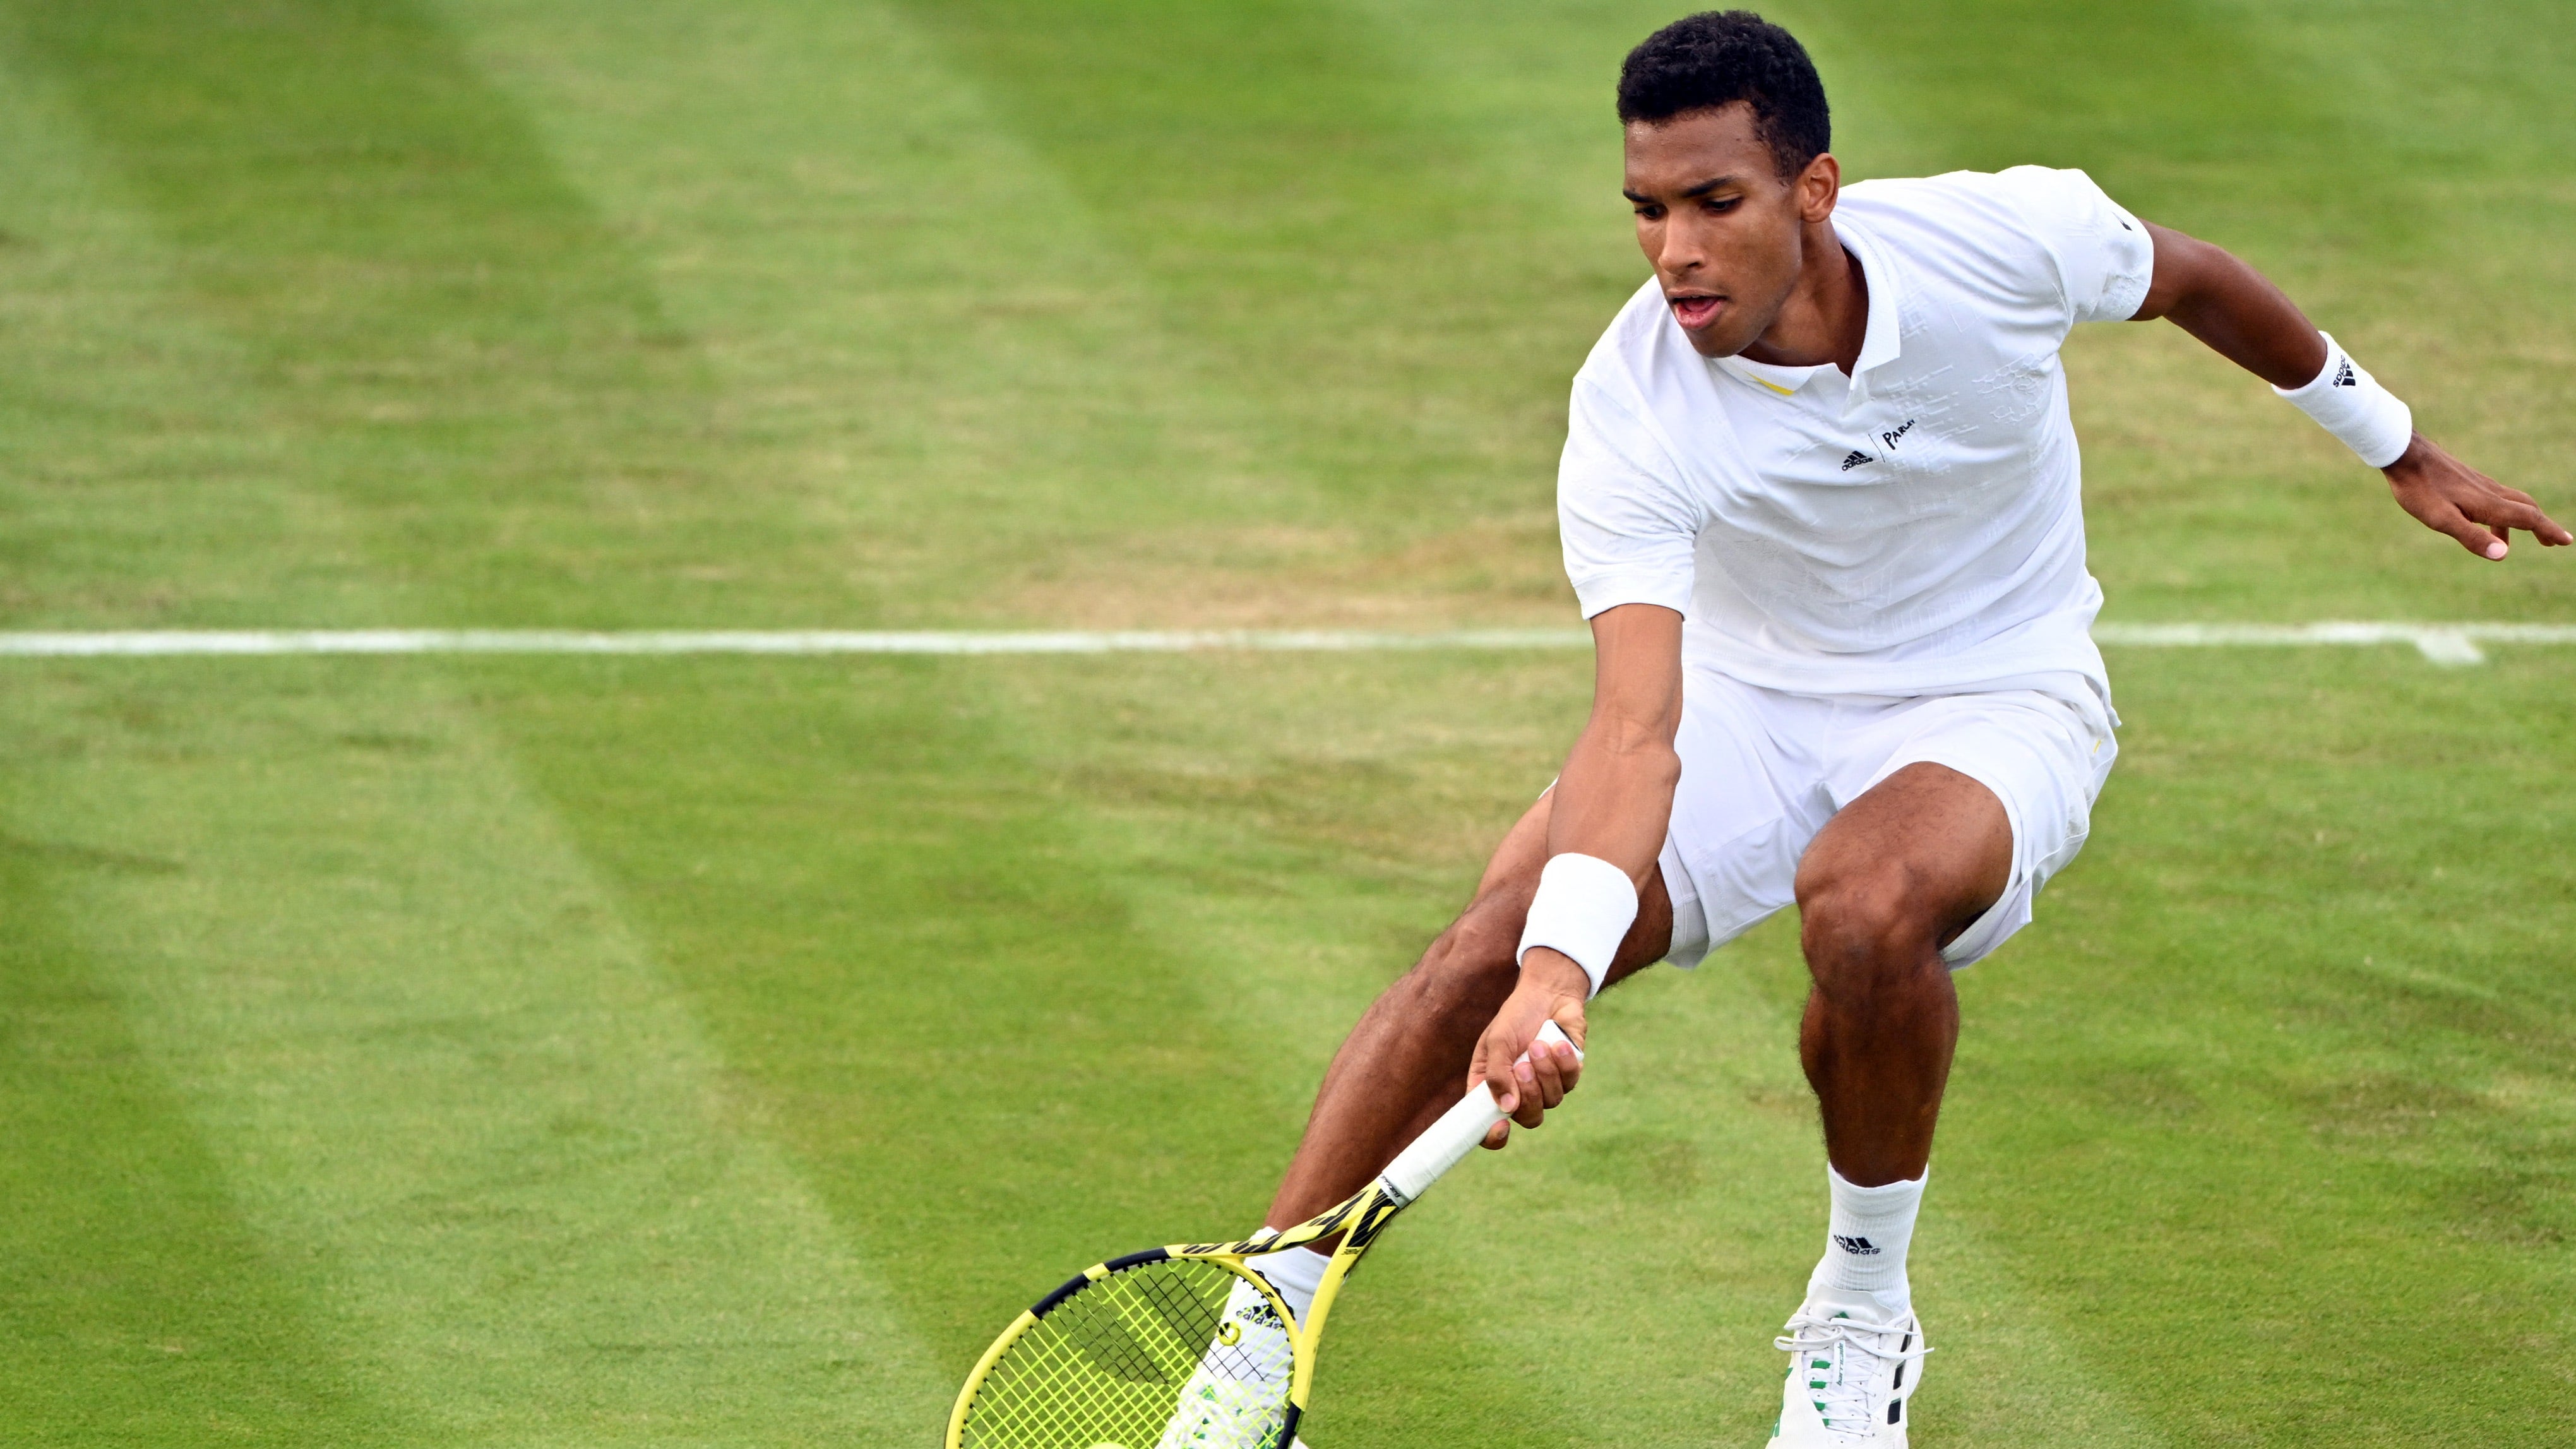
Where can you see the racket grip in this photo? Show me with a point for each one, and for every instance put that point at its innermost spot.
(1456, 1133)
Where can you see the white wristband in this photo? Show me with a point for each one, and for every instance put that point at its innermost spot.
(1584, 908)
(2351, 404)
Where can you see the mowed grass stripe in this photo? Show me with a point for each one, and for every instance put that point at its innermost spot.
(142, 474)
(511, 1179)
(430, 325)
(138, 1304)
(148, 1303)
(916, 950)
(931, 345)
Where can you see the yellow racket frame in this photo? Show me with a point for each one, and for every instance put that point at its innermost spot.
(1360, 1219)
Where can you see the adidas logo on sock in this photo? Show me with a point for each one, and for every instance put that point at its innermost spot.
(1856, 459)
(1861, 1247)
(1260, 1315)
(2344, 377)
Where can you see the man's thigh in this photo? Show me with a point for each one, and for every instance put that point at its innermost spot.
(1976, 798)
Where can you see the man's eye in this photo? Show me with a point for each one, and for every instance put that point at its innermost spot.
(1722, 203)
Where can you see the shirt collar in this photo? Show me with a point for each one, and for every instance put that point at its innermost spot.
(1881, 343)
(1783, 381)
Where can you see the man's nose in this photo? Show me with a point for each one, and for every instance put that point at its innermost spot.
(1680, 253)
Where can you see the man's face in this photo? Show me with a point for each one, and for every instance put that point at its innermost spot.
(1721, 226)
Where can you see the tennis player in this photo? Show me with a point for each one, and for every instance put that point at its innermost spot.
(1820, 500)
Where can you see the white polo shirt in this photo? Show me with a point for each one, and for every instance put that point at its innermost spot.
(1915, 528)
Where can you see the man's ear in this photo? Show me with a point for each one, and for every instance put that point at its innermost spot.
(1819, 186)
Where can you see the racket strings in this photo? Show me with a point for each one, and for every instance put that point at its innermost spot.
(1146, 1358)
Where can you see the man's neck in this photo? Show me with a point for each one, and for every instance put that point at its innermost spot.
(1826, 318)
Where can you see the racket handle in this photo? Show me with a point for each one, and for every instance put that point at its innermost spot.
(1456, 1134)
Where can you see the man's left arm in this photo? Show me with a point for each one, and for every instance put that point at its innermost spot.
(2217, 298)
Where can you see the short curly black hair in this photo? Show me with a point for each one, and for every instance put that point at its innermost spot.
(1719, 57)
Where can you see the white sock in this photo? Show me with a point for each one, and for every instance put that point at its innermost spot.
(1863, 1270)
(1295, 1273)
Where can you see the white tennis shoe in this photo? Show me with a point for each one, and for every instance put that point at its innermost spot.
(1848, 1381)
(1232, 1397)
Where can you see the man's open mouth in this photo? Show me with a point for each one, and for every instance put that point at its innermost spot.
(1695, 313)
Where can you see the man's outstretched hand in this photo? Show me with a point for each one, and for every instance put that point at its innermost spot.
(2448, 496)
(1551, 987)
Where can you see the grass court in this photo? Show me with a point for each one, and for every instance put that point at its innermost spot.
(569, 1052)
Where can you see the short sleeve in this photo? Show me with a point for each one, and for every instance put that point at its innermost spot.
(2105, 259)
(1623, 513)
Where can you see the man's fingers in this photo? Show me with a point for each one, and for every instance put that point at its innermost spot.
(1570, 1066)
(2474, 536)
(1541, 1075)
(1486, 1068)
(1542, 1081)
(1512, 1094)
(2510, 509)
(2526, 515)
(2520, 512)
(1531, 1108)
(1563, 1064)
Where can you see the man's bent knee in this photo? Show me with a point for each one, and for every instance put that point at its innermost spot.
(1866, 932)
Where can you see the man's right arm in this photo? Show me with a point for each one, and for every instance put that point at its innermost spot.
(1613, 802)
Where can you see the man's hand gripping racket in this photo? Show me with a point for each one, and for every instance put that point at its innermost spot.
(1183, 1347)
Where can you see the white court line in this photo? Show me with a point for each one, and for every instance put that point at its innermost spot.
(163, 643)
(2440, 643)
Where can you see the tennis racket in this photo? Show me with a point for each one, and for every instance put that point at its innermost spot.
(1184, 1347)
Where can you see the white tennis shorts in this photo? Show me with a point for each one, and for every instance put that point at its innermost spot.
(1763, 770)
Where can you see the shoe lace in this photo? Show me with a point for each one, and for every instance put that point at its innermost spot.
(1846, 1362)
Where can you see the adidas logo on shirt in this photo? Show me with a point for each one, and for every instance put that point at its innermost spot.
(1861, 1247)
(1856, 457)
(2344, 377)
